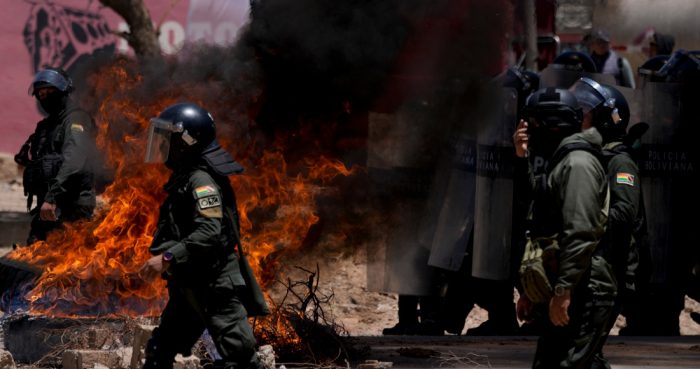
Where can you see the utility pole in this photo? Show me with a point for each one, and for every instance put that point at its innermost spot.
(530, 21)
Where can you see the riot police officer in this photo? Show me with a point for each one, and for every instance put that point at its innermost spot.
(571, 286)
(58, 157)
(606, 109)
(196, 245)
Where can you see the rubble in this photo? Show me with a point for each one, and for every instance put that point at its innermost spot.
(6, 360)
(375, 364)
(267, 356)
(86, 359)
(141, 335)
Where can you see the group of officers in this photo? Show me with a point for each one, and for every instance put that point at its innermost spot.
(583, 249)
(196, 246)
(582, 262)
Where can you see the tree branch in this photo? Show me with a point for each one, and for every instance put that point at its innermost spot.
(142, 36)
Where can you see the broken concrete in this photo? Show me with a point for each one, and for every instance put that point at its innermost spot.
(141, 335)
(40, 339)
(88, 359)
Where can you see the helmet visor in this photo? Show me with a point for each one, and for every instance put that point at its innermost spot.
(158, 145)
(48, 77)
(589, 94)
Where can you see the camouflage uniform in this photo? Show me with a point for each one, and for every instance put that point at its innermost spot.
(198, 226)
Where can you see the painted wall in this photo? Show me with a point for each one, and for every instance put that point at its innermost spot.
(61, 33)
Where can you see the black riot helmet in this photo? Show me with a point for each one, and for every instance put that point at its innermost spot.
(682, 66)
(649, 69)
(180, 134)
(597, 100)
(552, 114)
(615, 128)
(54, 77)
(575, 61)
(554, 108)
(184, 134)
(524, 82)
(55, 101)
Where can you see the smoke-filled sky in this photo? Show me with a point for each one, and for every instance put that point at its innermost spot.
(317, 73)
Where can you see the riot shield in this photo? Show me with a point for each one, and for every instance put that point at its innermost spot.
(400, 166)
(493, 208)
(456, 217)
(667, 172)
(557, 76)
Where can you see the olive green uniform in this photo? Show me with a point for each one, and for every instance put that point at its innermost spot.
(576, 204)
(625, 237)
(59, 168)
(198, 225)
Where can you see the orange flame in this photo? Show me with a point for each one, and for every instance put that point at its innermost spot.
(90, 268)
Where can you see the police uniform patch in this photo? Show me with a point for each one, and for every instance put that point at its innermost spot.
(624, 178)
(209, 202)
(210, 206)
(77, 127)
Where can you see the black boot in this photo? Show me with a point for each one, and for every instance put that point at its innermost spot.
(408, 317)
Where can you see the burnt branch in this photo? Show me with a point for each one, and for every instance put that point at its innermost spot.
(142, 36)
(450, 359)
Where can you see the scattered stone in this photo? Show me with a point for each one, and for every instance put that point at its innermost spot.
(267, 356)
(375, 364)
(188, 362)
(6, 361)
(87, 359)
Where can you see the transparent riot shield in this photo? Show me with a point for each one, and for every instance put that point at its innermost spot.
(456, 216)
(401, 164)
(556, 76)
(493, 208)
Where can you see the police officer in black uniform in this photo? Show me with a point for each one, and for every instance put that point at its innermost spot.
(197, 245)
(58, 157)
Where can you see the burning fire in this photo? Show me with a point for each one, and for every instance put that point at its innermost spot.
(90, 269)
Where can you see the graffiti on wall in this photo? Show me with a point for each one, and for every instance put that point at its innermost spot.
(60, 36)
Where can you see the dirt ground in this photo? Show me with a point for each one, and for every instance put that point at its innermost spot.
(366, 313)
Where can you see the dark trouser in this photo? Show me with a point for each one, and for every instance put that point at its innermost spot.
(574, 345)
(459, 297)
(188, 312)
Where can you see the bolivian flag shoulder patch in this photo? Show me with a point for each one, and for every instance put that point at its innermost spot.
(77, 127)
(624, 178)
(204, 191)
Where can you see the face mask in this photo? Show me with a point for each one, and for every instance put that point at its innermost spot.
(53, 103)
(180, 155)
(543, 142)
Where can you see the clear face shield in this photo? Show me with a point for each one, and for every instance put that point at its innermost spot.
(590, 95)
(158, 145)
